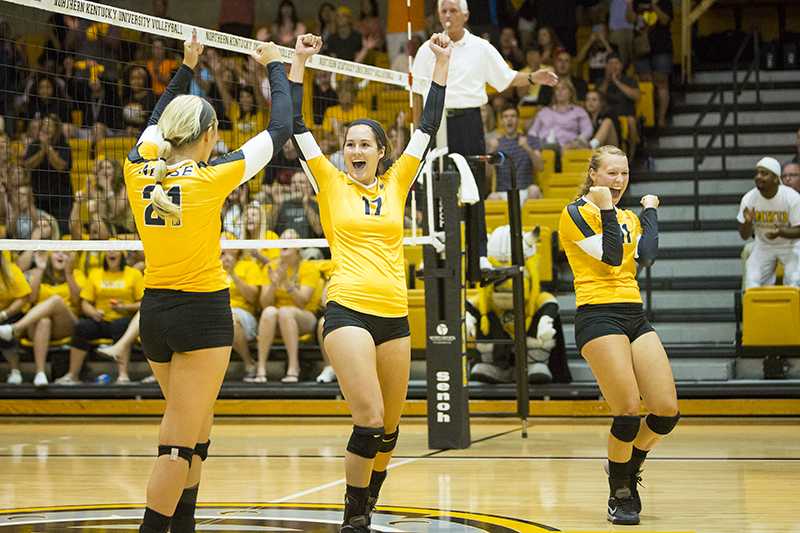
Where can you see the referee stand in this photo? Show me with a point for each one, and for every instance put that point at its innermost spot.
(445, 293)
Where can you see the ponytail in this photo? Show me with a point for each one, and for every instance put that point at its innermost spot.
(162, 203)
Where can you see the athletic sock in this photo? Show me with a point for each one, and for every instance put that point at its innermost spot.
(618, 476)
(355, 502)
(637, 458)
(154, 522)
(376, 482)
(183, 519)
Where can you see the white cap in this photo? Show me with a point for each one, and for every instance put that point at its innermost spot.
(771, 164)
(462, 5)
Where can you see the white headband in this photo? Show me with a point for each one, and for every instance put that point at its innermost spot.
(462, 5)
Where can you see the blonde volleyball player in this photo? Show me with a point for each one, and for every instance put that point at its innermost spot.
(366, 332)
(176, 195)
(604, 246)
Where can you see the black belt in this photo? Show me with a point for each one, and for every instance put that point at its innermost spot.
(464, 111)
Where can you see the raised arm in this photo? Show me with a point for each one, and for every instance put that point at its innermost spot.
(647, 249)
(607, 245)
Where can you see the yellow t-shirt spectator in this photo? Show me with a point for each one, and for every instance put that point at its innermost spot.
(248, 272)
(307, 275)
(337, 114)
(104, 287)
(62, 289)
(17, 286)
(246, 126)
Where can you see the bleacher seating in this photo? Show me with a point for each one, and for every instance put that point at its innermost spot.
(771, 317)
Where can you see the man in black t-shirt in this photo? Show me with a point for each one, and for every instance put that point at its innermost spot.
(622, 93)
(654, 17)
(346, 42)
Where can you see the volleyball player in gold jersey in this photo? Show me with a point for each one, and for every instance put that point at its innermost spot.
(605, 246)
(366, 332)
(176, 196)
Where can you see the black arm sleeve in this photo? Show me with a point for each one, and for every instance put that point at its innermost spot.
(280, 121)
(179, 84)
(432, 112)
(648, 244)
(612, 238)
(299, 125)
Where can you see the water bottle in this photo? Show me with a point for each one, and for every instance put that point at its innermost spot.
(103, 379)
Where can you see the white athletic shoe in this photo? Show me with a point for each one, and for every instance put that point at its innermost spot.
(327, 375)
(539, 373)
(66, 379)
(149, 379)
(40, 380)
(490, 373)
(14, 377)
(7, 332)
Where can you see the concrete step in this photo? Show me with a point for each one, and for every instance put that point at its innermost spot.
(707, 212)
(681, 332)
(663, 300)
(683, 268)
(663, 188)
(733, 162)
(726, 76)
(698, 239)
(746, 97)
(745, 139)
(745, 118)
(682, 369)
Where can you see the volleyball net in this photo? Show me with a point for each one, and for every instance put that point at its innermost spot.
(78, 80)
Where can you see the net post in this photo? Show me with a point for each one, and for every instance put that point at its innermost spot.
(446, 359)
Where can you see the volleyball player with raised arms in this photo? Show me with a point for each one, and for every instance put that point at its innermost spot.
(604, 246)
(176, 195)
(366, 332)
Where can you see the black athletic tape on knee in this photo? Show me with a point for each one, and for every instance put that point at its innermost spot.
(389, 441)
(625, 428)
(365, 442)
(184, 452)
(662, 425)
(201, 449)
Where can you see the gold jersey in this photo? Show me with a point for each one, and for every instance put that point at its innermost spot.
(596, 282)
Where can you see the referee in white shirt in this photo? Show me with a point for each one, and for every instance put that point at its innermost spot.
(474, 63)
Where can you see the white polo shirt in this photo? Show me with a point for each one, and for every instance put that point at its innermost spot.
(780, 211)
(474, 62)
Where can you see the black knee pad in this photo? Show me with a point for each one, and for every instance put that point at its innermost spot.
(201, 449)
(389, 441)
(625, 428)
(365, 442)
(184, 452)
(662, 424)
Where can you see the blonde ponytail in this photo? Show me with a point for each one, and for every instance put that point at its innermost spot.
(594, 164)
(185, 119)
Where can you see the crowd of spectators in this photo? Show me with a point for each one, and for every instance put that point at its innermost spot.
(66, 97)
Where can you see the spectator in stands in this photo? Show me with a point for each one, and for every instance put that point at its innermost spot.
(5, 156)
(526, 159)
(324, 95)
(561, 18)
(49, 159)
(326, 20)
(257, 227)
(771, 213)
(533, 94)
(564, 124)
(98, 101)
(622, 93)
(654, 60)
(563, 68)
(137, 100)
(287, 26)
(409, 48)
(284, 165)
(346, 42)
(339, 116)
(12, 65)
(287, 297)
(548, 43)
(595, 52)
(109, 299)
(104, 199)
(297, 211)
(604, 125)
(237, 17)
(160, 66)
(22, 216)
(790, 175)
(244, 278)
(97, 40)
(369, 21)
(55, 288)
(49, 99)
(510, 50)
(14, 293)
(246, 117)
(621, 30)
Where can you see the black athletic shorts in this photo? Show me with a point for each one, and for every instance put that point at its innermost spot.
(177, 321)
(381, 328)
(593, 321)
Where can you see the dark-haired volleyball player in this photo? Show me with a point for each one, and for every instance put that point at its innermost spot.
(366, 332)
(604, 246)
(176, 195)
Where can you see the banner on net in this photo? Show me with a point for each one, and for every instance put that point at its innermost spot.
(177, 30)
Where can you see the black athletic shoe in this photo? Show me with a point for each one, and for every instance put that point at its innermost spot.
(371, 502)
(636, 480)
(356, 524)
(621, 508)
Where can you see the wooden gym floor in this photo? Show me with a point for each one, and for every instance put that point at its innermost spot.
(712, 475)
